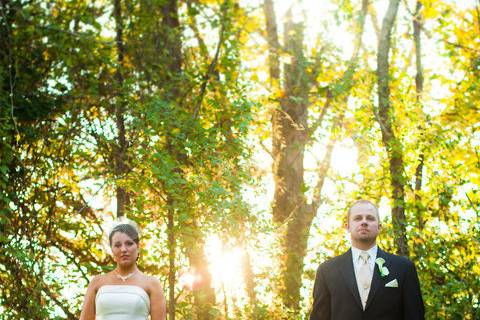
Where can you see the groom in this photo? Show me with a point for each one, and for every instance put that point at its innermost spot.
(366, 282)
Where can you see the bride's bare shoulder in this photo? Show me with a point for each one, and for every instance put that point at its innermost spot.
(99, 280)
(150, 281)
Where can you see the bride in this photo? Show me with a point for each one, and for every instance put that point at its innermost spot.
(124, 293)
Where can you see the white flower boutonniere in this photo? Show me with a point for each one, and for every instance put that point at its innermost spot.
(383, 270)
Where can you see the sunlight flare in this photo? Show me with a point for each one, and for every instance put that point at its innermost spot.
(225, 265)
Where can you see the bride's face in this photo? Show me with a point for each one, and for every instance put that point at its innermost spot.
(124, 249)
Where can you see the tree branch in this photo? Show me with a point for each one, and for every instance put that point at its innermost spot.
(196, 32)
(213, 64)
(374, 18)
(343, 85)
(61, 304)
(272, 39)
(323, 169)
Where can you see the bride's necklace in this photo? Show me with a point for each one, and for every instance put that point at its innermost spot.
(128, 276)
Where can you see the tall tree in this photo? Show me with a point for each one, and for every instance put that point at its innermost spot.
(120, 148)
(290, 136)
(190, 118)
(419, 79)
(41, 201)
(172, 51)
(385, 118)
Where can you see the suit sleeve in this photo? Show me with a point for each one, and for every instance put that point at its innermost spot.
(321, 297)
(413, 308)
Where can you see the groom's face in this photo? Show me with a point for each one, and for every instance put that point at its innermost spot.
(363, 225)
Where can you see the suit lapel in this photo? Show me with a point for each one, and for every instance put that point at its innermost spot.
(376, 280)
(348, 274)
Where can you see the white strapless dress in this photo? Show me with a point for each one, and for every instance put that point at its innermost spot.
(122, 302)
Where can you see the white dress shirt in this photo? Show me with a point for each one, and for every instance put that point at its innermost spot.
(373, 255)
(357, 262)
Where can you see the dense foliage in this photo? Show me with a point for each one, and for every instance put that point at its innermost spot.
(167, 112)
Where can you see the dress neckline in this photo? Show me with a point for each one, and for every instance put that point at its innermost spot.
(123, 285)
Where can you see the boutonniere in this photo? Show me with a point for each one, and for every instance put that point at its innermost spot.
(383, 270)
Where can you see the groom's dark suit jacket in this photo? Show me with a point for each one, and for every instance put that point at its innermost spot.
(336, 297)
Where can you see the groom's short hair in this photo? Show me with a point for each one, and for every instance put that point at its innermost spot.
(363, 201)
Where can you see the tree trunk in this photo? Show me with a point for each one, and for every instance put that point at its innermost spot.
(171, 52)
(203, 293)
(289, 140)
(8, 125)
(289, 137)
(248, 274)
(172, 42)
(272, 39)
(171, 258)
(121, 149)
(417, 20)
(392, 144)
(249, 278)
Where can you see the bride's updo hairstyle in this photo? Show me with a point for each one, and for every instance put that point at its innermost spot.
(128, 228)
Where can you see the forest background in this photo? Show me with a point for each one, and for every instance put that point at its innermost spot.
(236, 133)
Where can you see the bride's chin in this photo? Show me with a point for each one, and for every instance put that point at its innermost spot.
(125, 264)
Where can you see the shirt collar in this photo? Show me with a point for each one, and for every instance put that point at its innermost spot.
(372, 252)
